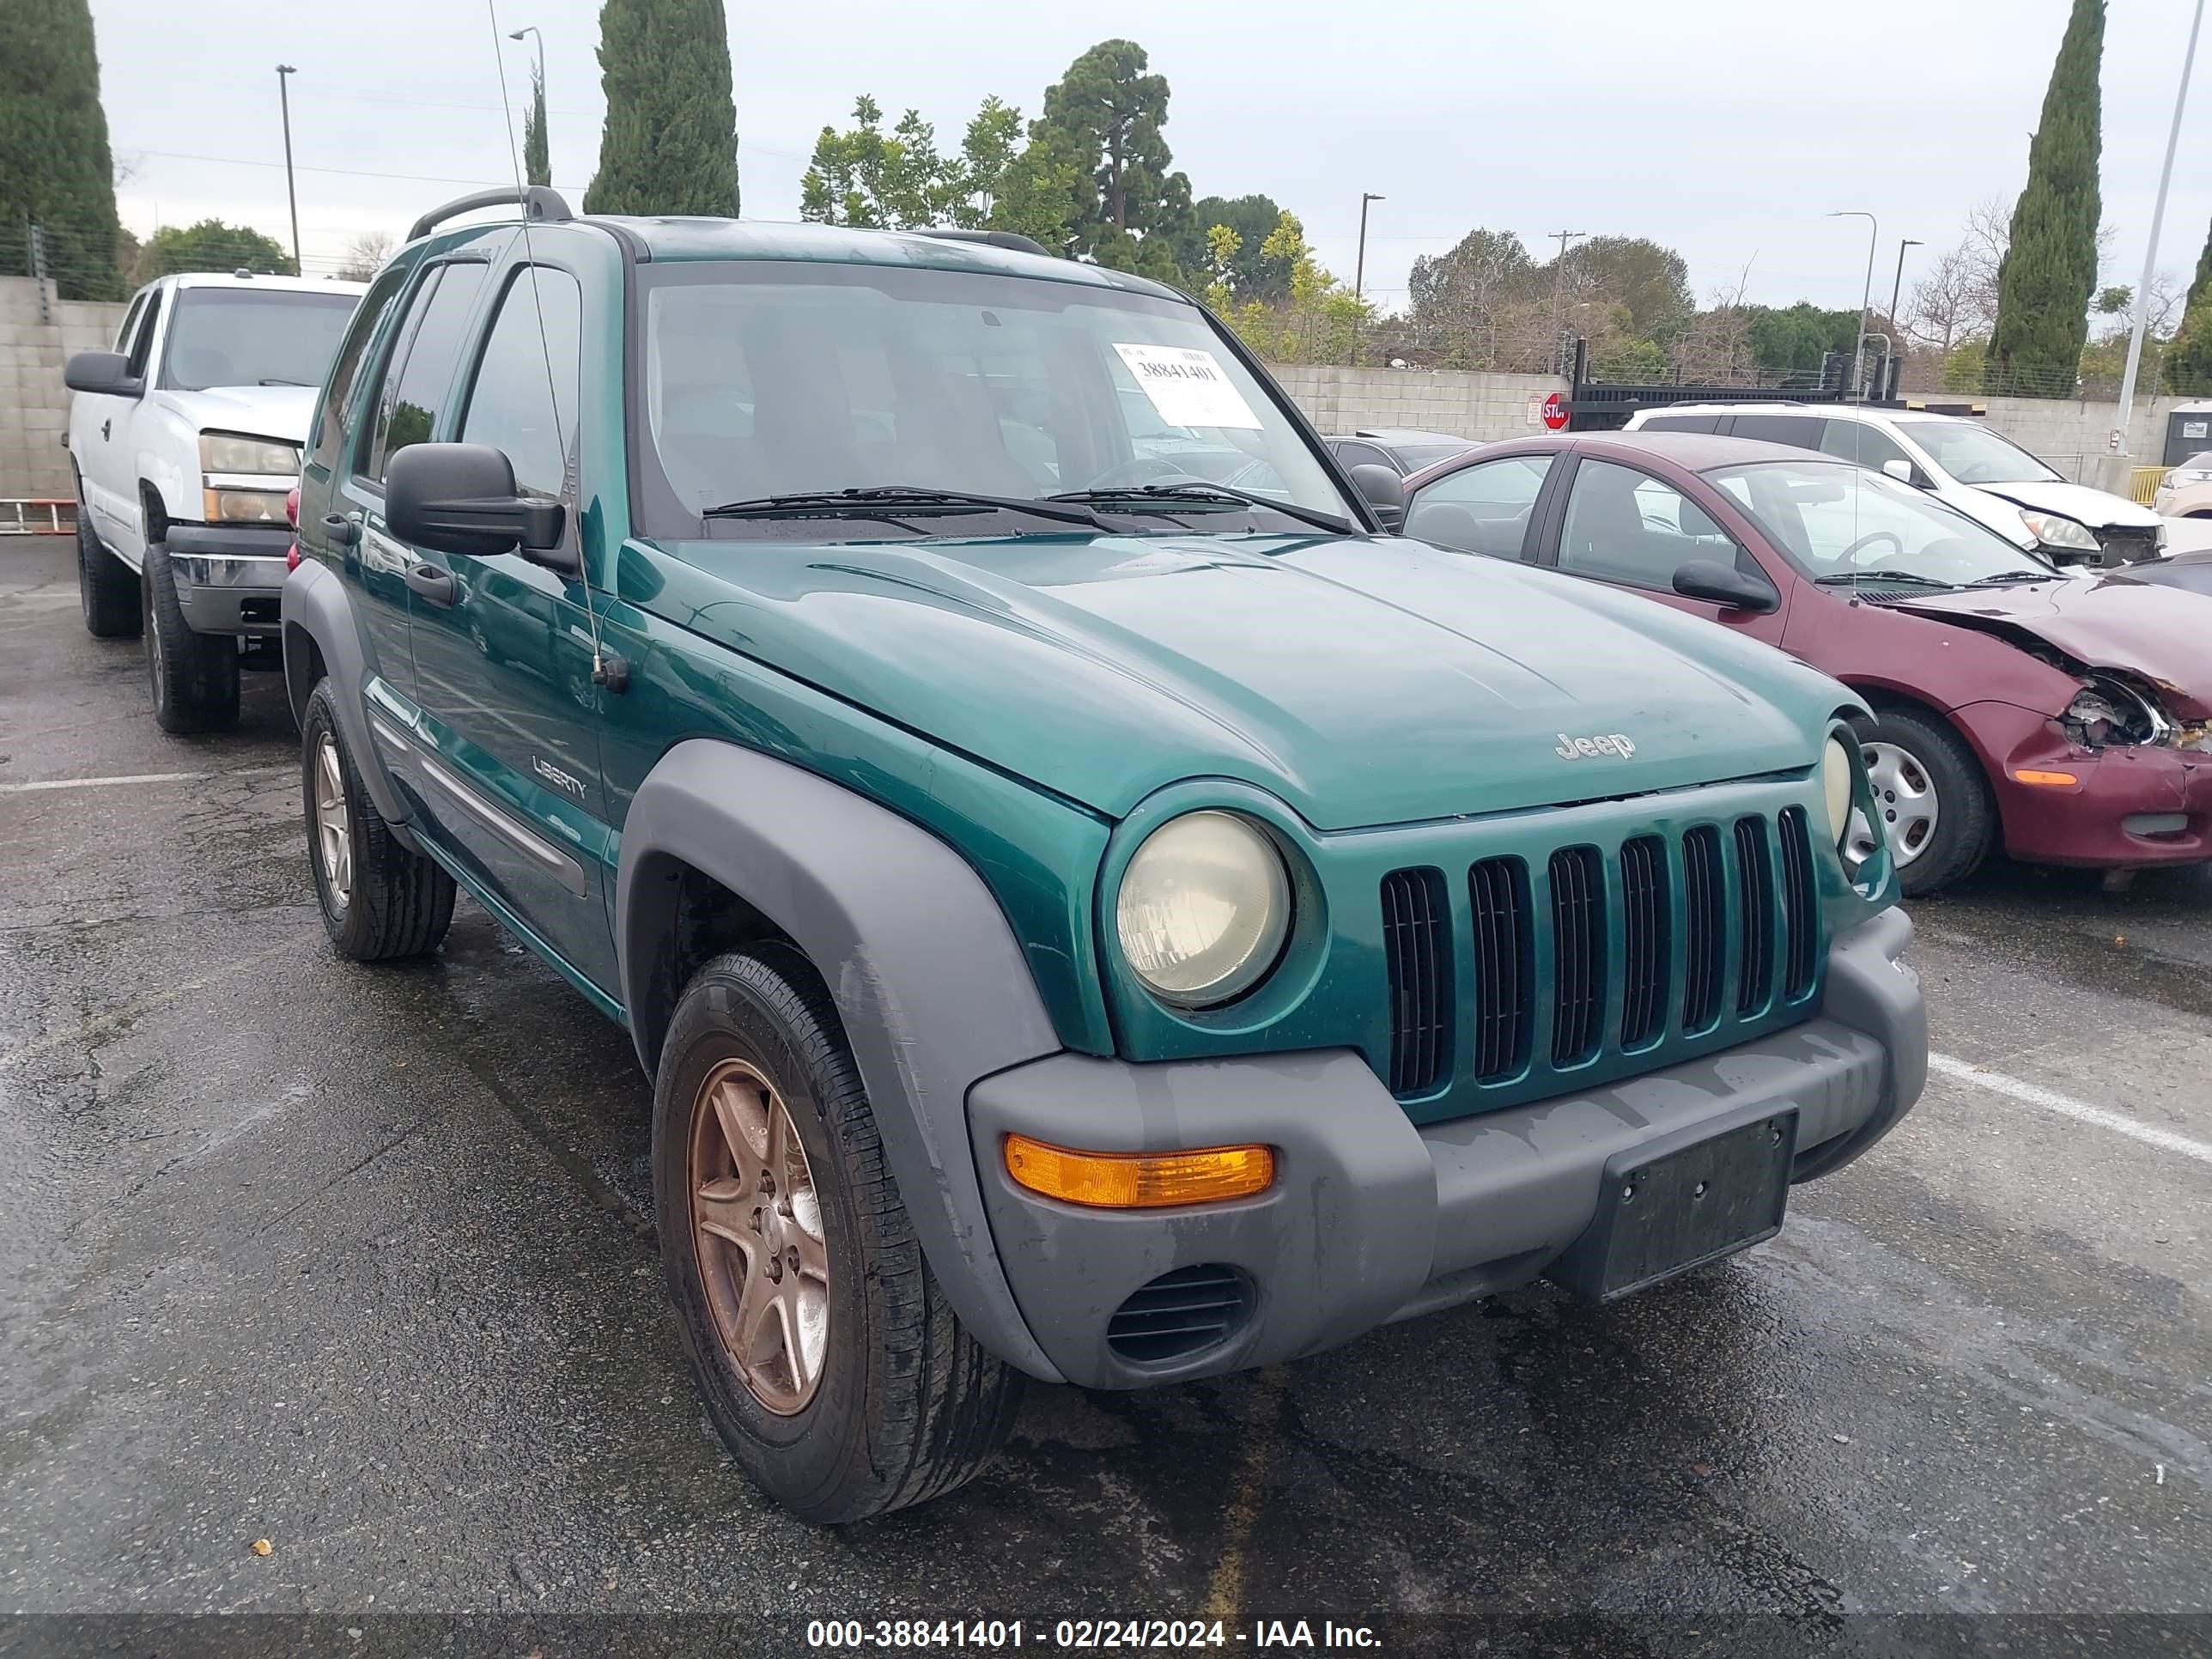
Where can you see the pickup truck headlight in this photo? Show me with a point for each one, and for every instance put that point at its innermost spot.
(1836, 779)
(2053, 531)
(245, 506)
(229, 452)
(1203, 908)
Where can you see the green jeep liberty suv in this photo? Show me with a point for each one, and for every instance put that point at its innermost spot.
(1091, 907)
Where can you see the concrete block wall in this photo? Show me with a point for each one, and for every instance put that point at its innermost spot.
(1485, 407)
(34, 342)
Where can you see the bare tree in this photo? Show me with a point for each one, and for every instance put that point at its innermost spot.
(365, 255)
(1717, 343)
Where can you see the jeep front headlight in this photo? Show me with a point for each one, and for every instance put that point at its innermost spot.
(1203, 908)
(1836, 786)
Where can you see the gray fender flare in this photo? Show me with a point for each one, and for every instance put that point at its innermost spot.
(928, 978)
(316, 604)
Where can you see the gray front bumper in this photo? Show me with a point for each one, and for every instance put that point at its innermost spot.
(1373, 1217)
(230, 578)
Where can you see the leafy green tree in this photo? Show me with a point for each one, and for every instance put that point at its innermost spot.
(1797, 337)
(211, 244)
(669, 144)
(1042, 194)
(55, 169)
(864, 176)
(1253, 219)
(2189, 359)
(537, 154)
(1320, 318)
(2049, 268)
(988, 149)
(1107, 114)
(1651, 281)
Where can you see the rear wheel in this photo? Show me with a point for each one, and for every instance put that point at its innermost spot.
(106, 589)
(381, 900)
(829, 1359)
(194, 675)
(1935, 804)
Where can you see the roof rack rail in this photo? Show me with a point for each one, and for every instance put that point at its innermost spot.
(537, 202)
(1006, 239)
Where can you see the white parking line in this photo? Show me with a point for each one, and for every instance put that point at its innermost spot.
(2051, 1100)
(139, 777)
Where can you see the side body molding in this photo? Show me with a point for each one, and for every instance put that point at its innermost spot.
(315, 602)
(927, 976)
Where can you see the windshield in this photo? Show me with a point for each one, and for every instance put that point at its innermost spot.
(1845, 523)
(764, 380)
(1974, 454)
(244, 336)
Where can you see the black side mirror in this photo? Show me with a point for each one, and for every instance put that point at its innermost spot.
(460, 498)
(101, 371)
(1723, 584)
(1383, 490)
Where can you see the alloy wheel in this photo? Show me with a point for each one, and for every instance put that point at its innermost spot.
(333, 824)
(757, 1231)
(1905, 796)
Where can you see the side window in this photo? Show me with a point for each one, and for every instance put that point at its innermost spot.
(1355, 455)
(523, 399)
(1480, 509)
(131, 321)
(1798, 431)
(1623, 525)
(1681, 423)
(422, 359)
(1860, 441)
(142, 348)
(345, 372)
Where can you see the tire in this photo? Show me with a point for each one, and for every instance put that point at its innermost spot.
(1924, 773)
(194, 675)
(106, 588)
(904, 1406)
(386, 901)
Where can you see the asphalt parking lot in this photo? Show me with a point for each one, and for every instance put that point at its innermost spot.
(359, 1262)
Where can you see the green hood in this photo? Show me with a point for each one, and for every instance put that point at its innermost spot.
(1363, 681)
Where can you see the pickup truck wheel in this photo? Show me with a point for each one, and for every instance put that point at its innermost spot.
(829, 1361)
(380, 900)
(105, 588)
(194, 676)
(1936, 807)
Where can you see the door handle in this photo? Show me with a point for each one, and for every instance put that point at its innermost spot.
(435, 585)
(104, 428)
(342, 528)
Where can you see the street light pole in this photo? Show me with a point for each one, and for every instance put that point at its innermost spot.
(1866, 293)
(1359, 267)
(1896, 288)
(2118, 441)
(284, 74)
(538, 88)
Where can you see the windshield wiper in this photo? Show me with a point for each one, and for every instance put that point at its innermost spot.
(907, 499)
(2003, 578)
(1110, 497)
(1881, 579)
(278, 380)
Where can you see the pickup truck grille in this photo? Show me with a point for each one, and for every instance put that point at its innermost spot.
(1598, 952)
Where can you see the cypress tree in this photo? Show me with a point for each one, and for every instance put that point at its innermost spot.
(537, 159)
(2049, 267)
(55, 169)
(2188, 359)
(671, 141)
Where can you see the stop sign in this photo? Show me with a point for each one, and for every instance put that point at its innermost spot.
(1555, 413)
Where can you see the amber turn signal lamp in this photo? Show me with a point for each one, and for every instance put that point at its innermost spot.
(1139, 1181)
(2049, 780)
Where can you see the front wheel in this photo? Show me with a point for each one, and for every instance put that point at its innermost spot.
(829, 1361)
(194, 675)
(381, 900)
(1935, 804)
(107, 591)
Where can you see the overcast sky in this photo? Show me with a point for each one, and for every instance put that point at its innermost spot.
(1722, 128)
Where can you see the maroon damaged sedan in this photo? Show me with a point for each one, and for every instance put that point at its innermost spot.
(2065, 718)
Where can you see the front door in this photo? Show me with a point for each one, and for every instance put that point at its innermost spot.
(105, 460)
(1623, 525)
(503, 650)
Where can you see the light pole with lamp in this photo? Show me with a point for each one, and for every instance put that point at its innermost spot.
(1866, 293)
(1896, 288)
(1360, 265)
(284, 74)
(2118, 441)
(537, 89)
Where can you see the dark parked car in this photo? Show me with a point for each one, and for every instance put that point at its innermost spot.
(2065, 718)
(1402, 449)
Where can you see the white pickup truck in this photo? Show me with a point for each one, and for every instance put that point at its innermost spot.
(186, 439)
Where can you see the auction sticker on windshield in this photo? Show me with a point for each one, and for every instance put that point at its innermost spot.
(1187, 386)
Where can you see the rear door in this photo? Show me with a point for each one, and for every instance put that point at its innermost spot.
(415, 384)
(502, 647)
(1628, 527)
